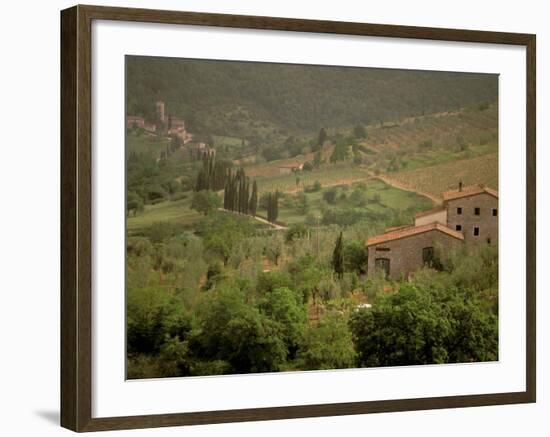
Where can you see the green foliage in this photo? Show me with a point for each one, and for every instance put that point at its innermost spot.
(239, 334)
(355, 256)
(327, 345)
(313, 188)
(360, 132)
(213, 174)
(222, 232)
(151, 315)
(421, 326)
(134, 203)
(340, 152)
(295, 232)
(475, 269)
(302, 203)
(269, 281)
(338, 256)
(285, 307)
(253, 203)
(358, 197)
(274, 249)
(272, 206)
(205, 201)
(329, 195)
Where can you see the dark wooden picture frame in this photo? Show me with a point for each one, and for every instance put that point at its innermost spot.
(76, 218)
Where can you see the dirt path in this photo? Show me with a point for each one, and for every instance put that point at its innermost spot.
(260, 219)
(386, 179)
(330, 184)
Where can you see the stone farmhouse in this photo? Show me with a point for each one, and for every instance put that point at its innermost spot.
(468, 215)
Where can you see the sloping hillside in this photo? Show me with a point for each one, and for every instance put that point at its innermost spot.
(442, 177)
(242, 98)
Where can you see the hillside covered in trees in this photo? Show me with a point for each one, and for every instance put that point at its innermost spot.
(248, 99)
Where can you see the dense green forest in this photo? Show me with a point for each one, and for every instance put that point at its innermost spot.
(247, 99)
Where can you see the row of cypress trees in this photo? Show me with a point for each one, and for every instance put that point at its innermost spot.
(216, 175)
(212, 175)
(236, 195)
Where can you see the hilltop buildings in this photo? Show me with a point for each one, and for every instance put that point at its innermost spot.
(165, 124)
(468, 215)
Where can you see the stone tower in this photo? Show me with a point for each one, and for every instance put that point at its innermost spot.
(160, 111)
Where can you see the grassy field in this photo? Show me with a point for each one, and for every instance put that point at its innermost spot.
(442, 177)
(178, 212)
(232, 142)
(272, 168)
(344, 174)
(145, 144)
(387, 198)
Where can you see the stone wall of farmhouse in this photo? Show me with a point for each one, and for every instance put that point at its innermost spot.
(466, 221)
(438, 216)
(405, 254)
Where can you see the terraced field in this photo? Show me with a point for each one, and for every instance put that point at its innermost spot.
(442, 177)
(471, 126)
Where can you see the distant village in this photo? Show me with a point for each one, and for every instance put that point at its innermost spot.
(169, 125)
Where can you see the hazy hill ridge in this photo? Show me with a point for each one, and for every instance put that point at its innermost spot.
(242, 98)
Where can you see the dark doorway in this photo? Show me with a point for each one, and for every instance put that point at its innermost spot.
(428, 256)
(383, 264)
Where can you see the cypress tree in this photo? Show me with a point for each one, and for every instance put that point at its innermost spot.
(253, 204)
(275, 206)
(338, 256)
(269, 207)
(272, 207)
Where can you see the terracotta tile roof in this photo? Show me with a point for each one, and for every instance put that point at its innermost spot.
(471, 190)
(395, 228)
(430, 211)
(414, 230)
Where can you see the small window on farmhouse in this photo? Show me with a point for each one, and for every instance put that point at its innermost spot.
(495, 212)
(458, 227)
(428, 256)
(476, 232)
(459, 211)
(477, 211)
(383, 264)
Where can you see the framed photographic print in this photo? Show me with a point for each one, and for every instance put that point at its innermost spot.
(268, 218)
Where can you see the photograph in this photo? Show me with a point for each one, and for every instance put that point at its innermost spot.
(296, 217)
